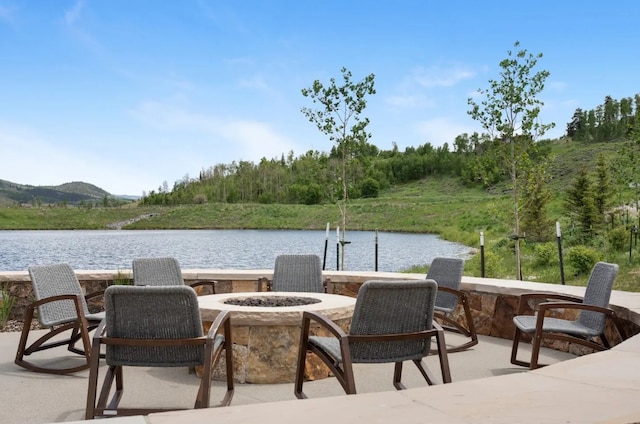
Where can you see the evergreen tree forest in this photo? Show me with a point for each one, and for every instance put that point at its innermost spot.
(609, 121)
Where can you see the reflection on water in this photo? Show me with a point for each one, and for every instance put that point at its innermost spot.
(217, 249)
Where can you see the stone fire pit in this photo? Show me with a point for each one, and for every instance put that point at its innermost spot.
(266, 331)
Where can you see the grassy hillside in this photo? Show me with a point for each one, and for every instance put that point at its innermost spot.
(71, 193)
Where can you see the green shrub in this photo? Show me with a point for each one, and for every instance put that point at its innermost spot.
(545, 253)
(582, 259)
(618, 238)
(313, 194)
(6, 305)
(200, 199)
(370, 188)
(266, 199)
(122, 279)
(493, 267)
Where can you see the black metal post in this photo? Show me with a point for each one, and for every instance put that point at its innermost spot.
(559, 236)
(337, 248)
(626, 216)
(631, 229)
(326, 243)
(482, 254)
(376, 259)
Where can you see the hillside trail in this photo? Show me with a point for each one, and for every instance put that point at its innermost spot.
(118, 225)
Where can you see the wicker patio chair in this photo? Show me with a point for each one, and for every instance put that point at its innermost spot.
(392, 323)
(447, 272)
(61, 306)
(155, 327)
(589, 326)
(162, 272)
(296, 273)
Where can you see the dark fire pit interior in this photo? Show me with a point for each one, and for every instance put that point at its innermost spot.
(271, 301)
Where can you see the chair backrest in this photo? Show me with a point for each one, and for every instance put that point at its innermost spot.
(55, 280)
(157, 272)
(598, 292)
(148, 313)
(298, 273)
(447, 272)
(392, 307)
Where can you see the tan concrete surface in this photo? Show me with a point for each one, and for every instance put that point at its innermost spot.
(29, 397)
(597, 388)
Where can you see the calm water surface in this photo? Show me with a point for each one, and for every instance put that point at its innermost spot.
(217, 249)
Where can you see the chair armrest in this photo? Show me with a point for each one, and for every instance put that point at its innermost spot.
(324, 322)
(572, 305)
(210, 283)
(450, 290)
(222, 322)
(94, 294)
(73, 297)
(462, 296)
(50, 299)
(264, 284)
(437, 326)
(608, 312)
(99, 333)
(526, 297)
(417, 335)
(325, 284)
(92, 303)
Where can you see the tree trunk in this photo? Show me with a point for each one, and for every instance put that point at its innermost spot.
(343, 209)
(516, 215)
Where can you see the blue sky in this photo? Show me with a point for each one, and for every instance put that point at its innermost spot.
(128, 94)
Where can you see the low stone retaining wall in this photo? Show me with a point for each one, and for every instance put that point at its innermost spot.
(493, 302)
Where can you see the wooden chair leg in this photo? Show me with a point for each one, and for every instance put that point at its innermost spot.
(228, 350)
(517, 337)
(605, 341)
(348, 380)
(93, 382)
(535, 350)
(426, 374)
(442, 355)
(397, 376)
(469, 331)
(302, 359)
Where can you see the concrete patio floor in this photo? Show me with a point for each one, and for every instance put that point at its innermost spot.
(29, 397)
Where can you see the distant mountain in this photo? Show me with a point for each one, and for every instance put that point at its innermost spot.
(71, 193)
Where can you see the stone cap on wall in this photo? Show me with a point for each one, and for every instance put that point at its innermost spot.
(626, 304)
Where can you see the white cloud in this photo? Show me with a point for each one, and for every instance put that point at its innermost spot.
(437, 76)
(407, 101)
(251, 140)
(413, 91)
(35, 159)
(6, 13)
(558, 86)
(73, 14)
(258, 82)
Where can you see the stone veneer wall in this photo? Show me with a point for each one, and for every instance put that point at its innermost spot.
(493, 302)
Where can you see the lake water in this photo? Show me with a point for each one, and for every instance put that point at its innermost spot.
(218, 249)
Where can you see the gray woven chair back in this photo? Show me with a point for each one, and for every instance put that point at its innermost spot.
(55, 280)
(447, 272)
(598, 292)
(298, 273)
(157, 272)
(170, 312)
(391, 307)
